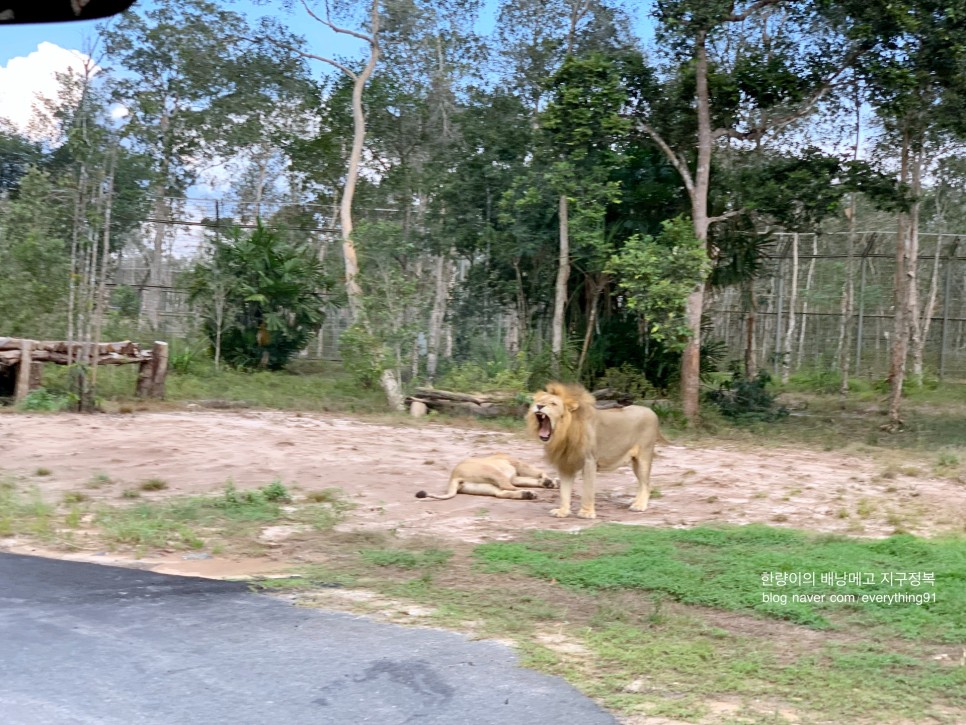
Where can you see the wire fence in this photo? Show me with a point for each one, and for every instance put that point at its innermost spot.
(820, 323)
(809, 302)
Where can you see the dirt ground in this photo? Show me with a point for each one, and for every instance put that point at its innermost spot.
(380, 467)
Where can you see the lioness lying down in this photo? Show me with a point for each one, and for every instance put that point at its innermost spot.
(496, 475)
(580, 438)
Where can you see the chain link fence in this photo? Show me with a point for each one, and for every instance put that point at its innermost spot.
(820, 322)
(186, 237)
(811, 301)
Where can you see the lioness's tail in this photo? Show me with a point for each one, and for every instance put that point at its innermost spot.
(660, 439)
(454, 487)
(423, 494)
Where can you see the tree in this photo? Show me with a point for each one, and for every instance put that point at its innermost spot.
(658, 274)
(193, 94)
(34, 259)
(760, 88)
(914, 72)
(583, 132)
(262, 297)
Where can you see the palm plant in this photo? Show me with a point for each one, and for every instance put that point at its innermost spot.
(261, 297)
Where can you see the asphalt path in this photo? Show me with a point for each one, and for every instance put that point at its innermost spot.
(85, 643)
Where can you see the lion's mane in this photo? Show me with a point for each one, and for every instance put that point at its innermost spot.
(573, 431)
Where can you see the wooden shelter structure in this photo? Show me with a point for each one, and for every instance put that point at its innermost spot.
(21, 362)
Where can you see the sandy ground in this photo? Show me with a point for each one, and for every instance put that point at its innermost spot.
(380, 467)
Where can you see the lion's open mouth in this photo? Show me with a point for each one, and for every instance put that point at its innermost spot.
(545, 428)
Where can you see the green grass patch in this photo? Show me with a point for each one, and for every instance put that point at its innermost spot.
(25, 514)
(641, 651)
(724, 567)
(309, 386)
(406, 559)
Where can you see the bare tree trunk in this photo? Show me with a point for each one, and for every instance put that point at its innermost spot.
(751, 352)
(808, 286)
(74, 242)
(560, 288)
(443, 282)
(792, 301)
(848, 290)
(691, 358)
(596, 288)
(848, 303)
(102, 282)
(903, 284)
(917, 339)
(219, 324)
(352, 175)
(928, 311)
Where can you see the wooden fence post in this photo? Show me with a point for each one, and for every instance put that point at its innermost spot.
(152, 372)
(159, 369)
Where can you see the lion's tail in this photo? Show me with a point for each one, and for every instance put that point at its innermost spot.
(660, 439)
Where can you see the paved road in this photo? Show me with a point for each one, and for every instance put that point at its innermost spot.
(84, 643)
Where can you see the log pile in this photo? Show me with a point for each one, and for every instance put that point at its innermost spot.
(25, 359)
(63, 353)
(488, 405)
(491, 405)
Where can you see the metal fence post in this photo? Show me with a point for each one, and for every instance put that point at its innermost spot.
(779, 292)
(946, 298)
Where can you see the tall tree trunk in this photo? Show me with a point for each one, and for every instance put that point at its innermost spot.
(560, 289)
(751, 309)
(151, 296)
(353, 289)
(808, 288)
(848, 303)
(596, 287)
(900, 337)
(792, 301)
(919, 343)
(691, 358)
(443, 281)
(74, 263)
(848, 288)
(102, 281)
(917, 339)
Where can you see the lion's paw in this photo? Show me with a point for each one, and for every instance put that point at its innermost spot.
(638, 509)
(560, 513)
(586, 514)
(550, 483)
(529, 496)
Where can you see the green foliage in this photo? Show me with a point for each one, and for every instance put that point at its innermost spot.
(276, 492)
(658, 274)
(261, 296)
(34, 259)
(627, 380)
(746, 400)
(362, 355)
(722, 567)
(499, 373)
(45, 400)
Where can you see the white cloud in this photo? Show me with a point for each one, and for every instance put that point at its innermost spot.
(24, 78)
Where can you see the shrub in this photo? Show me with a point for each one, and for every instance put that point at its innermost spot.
(747, 400)
(42, 399)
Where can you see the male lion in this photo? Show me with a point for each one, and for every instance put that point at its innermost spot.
(495, 475)
(579, 437)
